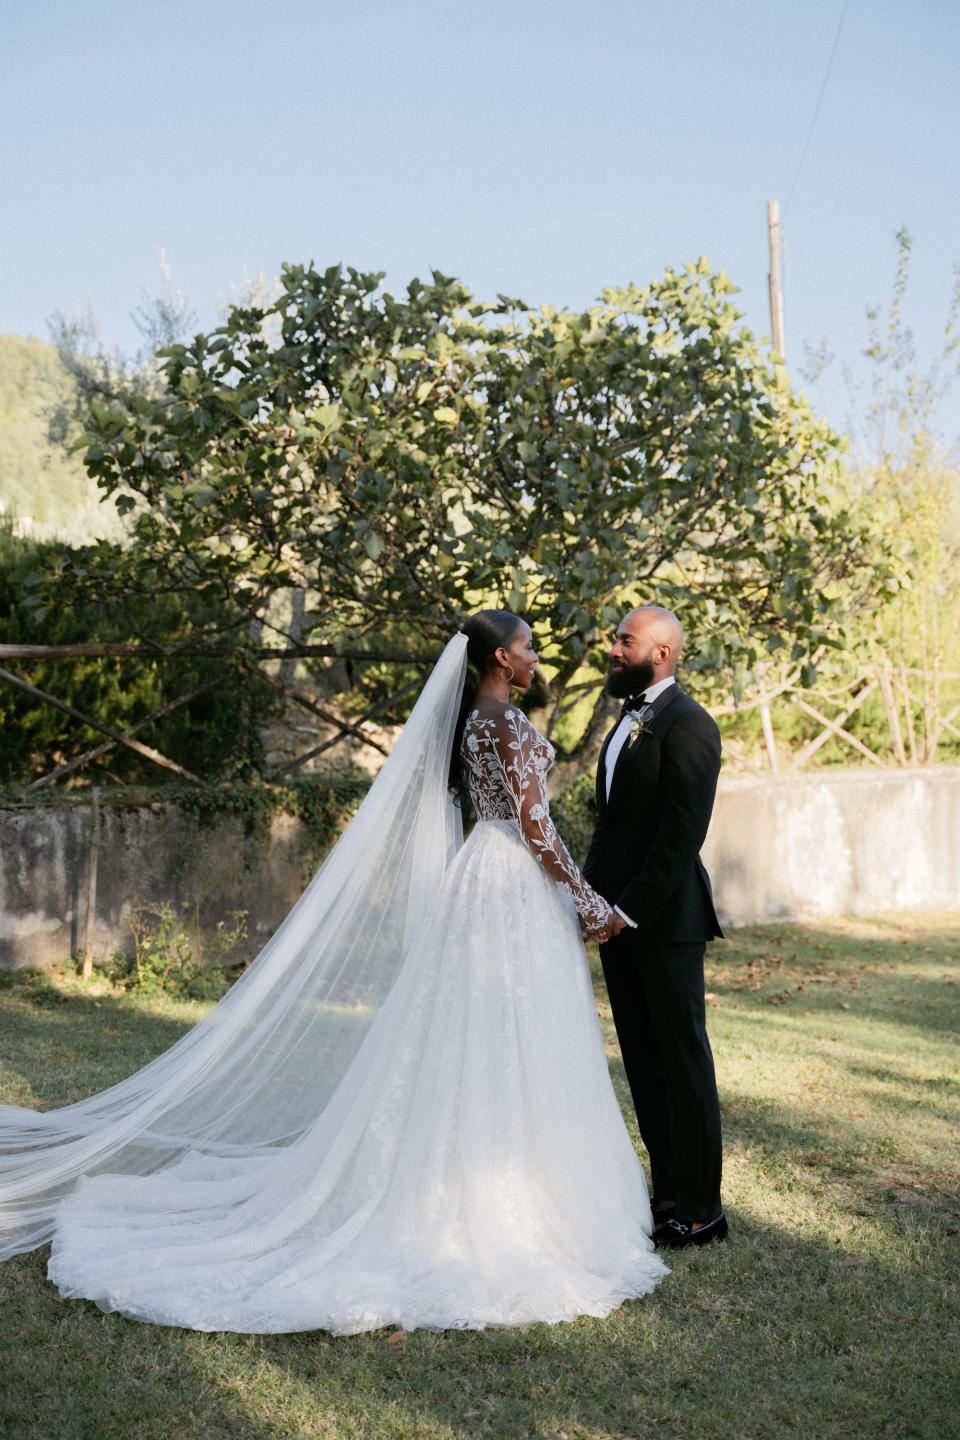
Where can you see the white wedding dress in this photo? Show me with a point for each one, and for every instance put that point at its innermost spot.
(469, 1168)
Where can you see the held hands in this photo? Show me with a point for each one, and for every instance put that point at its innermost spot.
(612, 926)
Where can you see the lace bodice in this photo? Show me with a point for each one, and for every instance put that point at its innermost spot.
(507, 761)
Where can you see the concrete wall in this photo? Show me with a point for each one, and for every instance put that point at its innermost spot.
(820, 843)
(146, 855)
(850, 842)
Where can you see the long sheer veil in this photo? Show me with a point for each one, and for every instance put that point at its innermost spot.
(262, 1065)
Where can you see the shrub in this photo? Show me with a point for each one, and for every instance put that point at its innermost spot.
(215, 734)
(169, 957)
(574, 813)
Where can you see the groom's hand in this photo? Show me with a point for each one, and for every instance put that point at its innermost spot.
(612, 927)
(615, 924)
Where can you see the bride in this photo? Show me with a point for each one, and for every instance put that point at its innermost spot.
(401, 1114)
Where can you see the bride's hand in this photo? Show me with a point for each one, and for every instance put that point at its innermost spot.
(613, 924)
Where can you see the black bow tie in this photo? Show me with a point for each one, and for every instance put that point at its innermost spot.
(633, 702)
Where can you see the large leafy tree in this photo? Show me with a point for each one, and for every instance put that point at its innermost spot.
(403, 460)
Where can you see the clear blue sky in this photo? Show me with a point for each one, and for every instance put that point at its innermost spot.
(538, 147)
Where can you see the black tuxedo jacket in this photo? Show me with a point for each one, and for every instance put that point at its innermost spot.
(645, 852)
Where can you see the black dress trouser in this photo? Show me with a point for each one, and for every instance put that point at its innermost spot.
(657, 999)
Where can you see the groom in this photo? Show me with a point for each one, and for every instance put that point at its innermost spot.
(655, 787)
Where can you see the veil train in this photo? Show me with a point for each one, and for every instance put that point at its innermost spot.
(263, 1064)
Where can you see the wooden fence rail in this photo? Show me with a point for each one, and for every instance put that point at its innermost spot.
(914, 705)
(343, 726)
(920, 707)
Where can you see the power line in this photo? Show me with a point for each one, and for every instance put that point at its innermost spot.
(816, 110)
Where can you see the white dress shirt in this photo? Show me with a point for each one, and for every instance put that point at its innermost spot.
(619, 738)
(617, 742)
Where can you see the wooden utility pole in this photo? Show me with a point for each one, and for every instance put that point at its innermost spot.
(773, 279)
(90, 917)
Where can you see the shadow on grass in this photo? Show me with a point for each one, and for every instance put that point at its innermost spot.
(67, 1046)
(819, 1148)
(739, 1340)
(828, 970)
(844, 1265)
(868, 1172)
(861, 1029)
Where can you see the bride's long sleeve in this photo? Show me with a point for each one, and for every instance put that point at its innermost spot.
(512, 750)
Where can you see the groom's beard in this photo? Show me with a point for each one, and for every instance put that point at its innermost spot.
(630, 680)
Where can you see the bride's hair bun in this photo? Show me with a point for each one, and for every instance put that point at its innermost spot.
(486, 631)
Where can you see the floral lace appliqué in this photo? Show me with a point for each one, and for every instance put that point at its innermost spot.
(507, 762)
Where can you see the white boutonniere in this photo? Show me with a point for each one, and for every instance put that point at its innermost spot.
(640, 723)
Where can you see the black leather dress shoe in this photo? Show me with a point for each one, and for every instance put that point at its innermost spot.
(676, 1234)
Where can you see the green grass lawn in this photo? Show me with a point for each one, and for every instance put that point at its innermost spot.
(831, 1311)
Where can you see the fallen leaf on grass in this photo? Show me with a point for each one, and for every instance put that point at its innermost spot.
(395, 1341)
(849, 1261)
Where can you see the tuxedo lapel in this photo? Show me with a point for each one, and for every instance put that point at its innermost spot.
(630, 752)
(665, 698)
(602, 770)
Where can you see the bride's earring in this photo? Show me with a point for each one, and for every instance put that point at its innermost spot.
(507, 677)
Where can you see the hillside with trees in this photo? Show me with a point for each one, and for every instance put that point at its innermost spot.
(44, 487)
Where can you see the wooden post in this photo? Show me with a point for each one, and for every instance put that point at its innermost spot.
(769, 737)
(91, 915)
(908, 712)
(926, 708)
(773, 281)
(893, 717)
(933, 740)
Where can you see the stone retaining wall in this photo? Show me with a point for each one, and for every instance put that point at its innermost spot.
(817, 844)
(836, 842)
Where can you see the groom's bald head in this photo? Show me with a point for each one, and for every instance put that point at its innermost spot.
(657, 625)
(658, 629)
